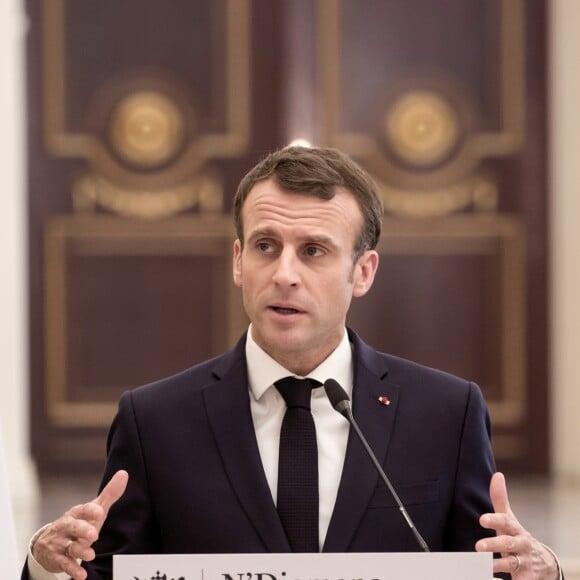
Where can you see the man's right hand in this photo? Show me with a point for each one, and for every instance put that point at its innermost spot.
(71, 536)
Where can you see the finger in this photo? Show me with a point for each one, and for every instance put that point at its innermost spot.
(498, 494)
(113, 490)
(508, 564)
(71, 567)
(91, 513)
(504, 544)
(81, 526)
(502, 523)
(95, 512)
(80, 550)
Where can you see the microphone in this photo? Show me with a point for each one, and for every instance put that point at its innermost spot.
(341, 403)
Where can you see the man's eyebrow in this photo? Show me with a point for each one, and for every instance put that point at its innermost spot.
(318, 239)
(262, 232)
(305, 239)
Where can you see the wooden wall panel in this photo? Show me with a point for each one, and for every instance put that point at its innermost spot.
(143, 116)
(434, 99)
(128, 303)
(450, 293)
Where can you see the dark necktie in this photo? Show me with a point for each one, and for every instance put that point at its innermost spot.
(298, 466)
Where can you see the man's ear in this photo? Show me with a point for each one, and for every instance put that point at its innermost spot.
(237, 263)
(364, 273)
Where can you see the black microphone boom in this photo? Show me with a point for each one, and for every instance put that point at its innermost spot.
(341, 403)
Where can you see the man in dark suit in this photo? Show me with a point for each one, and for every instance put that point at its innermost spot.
(193, 459)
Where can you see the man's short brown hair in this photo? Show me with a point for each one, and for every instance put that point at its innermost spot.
(317, 171)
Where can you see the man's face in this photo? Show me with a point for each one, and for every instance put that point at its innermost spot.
(296, 271)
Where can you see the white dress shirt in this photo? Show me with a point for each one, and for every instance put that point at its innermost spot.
(268, 408)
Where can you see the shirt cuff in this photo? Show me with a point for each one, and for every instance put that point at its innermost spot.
(35, 570)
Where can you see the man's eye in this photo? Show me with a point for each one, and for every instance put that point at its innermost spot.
(314, 251)
(264, 247)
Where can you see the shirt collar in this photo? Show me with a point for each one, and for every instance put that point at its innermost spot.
(264, 371)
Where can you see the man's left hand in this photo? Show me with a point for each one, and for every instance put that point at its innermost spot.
(522, 555)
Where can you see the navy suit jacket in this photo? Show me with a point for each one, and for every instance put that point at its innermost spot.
(197, 484)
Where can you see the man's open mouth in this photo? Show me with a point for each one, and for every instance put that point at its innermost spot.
(283, 310)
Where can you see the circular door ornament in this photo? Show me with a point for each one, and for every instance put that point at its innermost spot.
(147, 129)
(421, 128)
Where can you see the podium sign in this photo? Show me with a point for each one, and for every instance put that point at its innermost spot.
(349, 566)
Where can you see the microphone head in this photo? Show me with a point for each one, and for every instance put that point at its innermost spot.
(336, 395)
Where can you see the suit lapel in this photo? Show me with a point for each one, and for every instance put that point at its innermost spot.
(228, 409)
(359, 476)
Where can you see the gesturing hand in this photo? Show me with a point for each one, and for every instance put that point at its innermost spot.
(521, 554)
(71, 536)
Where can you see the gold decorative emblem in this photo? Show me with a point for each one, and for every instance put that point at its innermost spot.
(477, 191)
(202, 192)
(421, 127)
(146, 128)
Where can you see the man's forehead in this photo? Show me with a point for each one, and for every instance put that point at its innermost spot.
(270, 187)
(265, 204)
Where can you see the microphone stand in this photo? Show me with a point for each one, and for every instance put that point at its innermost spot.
(341, 403)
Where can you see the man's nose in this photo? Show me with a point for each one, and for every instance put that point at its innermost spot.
(286, 272)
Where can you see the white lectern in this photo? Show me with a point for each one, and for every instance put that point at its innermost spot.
(368, 566)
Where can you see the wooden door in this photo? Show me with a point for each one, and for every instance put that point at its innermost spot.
(144, 115)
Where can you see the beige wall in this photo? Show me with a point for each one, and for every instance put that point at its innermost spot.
(13, 358)
(565, 235)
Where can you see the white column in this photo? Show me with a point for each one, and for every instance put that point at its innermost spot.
(564, 67)
(14, 386)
